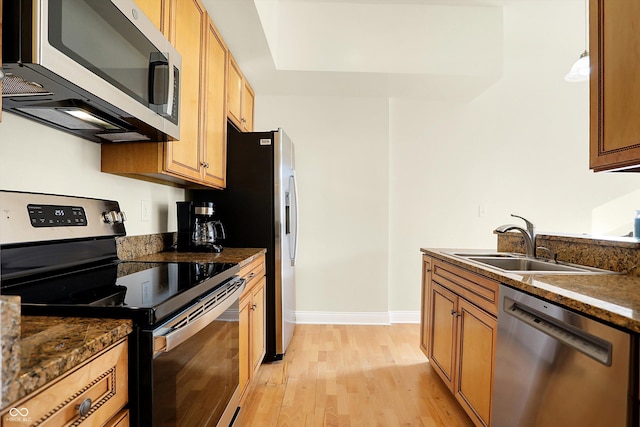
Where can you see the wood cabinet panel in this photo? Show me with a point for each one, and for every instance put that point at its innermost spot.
(252, 321)
(615, 74)
(215, 123)
(244, 344)
(240, 98)
(460, 328)
(155, 11)
(443, 335)
(424, 305)
(100, 384)
(475, 349)
(187, 34)
(258, 323)
(234, 94)
(198, 158)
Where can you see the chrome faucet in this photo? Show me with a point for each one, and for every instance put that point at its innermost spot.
(529, 234)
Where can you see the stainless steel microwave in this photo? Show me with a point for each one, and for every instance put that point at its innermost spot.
(99, 69)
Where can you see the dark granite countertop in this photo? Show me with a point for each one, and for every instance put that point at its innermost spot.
(46, 347)
(238, 255)
(613, 298)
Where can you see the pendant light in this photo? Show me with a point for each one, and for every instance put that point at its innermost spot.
(581, 68)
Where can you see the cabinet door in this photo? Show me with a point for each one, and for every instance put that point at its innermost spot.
(234, 92)
(155, 11)
(424, 312)
(183, 157)
(243, 337)
(258, 342)
(443, 308)
(615, 67)
(215, 125)
(248, 100)
(476, 345)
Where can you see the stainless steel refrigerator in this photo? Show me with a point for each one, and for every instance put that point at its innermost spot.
(259, 209)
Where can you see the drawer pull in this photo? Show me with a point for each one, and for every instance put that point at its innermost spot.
(84, 407)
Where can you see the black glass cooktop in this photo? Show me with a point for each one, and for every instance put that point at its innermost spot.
(146, 292)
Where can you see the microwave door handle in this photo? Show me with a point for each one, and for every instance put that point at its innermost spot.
(157, 60)
(172, 86)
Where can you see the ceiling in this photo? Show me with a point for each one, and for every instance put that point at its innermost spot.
(443, 50)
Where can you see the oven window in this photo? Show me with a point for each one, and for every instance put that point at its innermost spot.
(193, 383)
(98, 36)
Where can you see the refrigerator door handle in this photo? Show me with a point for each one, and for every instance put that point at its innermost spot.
(293, 237)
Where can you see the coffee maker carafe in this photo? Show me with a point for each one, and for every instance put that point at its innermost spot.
(198, 230)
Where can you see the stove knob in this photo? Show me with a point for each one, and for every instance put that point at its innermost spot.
(113, 217)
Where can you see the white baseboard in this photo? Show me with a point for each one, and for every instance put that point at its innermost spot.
(357, 318)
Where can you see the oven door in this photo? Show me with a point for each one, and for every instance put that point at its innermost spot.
(195, 365)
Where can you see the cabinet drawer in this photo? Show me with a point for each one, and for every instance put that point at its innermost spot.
(474, 288)
(253, 271)
(99, 387)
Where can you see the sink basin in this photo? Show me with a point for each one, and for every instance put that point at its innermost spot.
(525, 264)
(517, 263)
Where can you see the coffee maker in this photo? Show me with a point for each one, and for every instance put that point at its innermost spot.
(198, 230)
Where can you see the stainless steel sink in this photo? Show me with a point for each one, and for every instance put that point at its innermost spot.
(516, 263)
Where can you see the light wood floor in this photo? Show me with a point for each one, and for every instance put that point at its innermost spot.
(337, 375)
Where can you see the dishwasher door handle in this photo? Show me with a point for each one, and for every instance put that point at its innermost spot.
(590, 345)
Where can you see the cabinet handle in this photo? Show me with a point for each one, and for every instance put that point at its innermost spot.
(455, 313)
(243, 120)
(204, 164)
(253, 307)
(84, 407)
(252, 275)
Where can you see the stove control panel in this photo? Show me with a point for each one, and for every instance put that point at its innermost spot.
(57, 216)
(27, 218)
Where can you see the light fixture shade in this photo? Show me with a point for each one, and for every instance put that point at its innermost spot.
(580, 70)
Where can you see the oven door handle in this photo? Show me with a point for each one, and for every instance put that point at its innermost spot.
(166, 339)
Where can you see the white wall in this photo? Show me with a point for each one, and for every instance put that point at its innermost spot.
(341, 148)
(34, 157)
(520, 147)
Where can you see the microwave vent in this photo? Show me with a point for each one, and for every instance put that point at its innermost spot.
(13, 85)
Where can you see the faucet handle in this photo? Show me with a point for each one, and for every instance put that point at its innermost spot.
(530, 226)
(552, 255)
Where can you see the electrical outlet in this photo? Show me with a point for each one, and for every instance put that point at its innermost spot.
(482, 210)
(145, 207)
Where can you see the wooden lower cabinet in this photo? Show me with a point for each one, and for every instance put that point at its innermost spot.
(460, 327)
(424, 304)
(93, 394)
(252, 321)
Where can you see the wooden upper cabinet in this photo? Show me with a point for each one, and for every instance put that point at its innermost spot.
(199, 156)
(215, 122)
(187, 34)
(240, 98)
(155, 11)
(615, 78)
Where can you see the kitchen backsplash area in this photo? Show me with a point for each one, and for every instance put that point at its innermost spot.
(130, 247)
(620, 254)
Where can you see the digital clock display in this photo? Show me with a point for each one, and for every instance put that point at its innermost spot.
(57, 216)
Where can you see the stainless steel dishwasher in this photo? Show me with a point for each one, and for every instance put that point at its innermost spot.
(557, 368)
